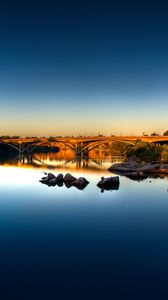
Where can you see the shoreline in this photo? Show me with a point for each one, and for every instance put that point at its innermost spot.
(135, 169)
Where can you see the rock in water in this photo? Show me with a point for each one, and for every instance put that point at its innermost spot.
(69, 178)
(47, 178)
(50, 176)
(44, 180)
(80, 183)
(109, 183)
(60, 178)
(52, 182)
(68, 184)
(131, 166)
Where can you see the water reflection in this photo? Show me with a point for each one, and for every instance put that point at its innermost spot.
(65, 160)
(66, 236)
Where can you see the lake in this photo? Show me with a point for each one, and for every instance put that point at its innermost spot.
(58, 243)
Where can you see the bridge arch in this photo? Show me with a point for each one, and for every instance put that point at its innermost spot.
(11, 145)
(94, 145)
(68, 145)
(20, 147)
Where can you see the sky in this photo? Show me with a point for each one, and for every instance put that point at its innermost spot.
(83, 67)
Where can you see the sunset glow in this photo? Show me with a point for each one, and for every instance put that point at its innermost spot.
(75, 75)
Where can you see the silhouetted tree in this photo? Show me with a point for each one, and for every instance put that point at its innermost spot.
(145, 151)
(154, 134)
(165, 133)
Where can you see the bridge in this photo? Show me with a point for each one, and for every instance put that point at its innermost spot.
(80, 146)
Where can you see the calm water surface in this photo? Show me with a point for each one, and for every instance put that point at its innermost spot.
(57, 242)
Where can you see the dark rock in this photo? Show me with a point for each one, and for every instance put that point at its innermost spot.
(69, 178)
(47, 178)
(60, 183)
(52, 182)
(50, 176)
(80, 183)
(130, 166)
(60, 178)
(123, 168)
(68, 184)
(109, 183)
(44, 180)
(148, 168)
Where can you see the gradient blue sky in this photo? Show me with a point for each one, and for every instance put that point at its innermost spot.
(83, 67)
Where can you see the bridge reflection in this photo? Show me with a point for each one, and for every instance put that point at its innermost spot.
(63, 160)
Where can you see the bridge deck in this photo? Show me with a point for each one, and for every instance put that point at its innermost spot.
(85, 139)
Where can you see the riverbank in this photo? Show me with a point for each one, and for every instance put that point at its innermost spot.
(136, 169)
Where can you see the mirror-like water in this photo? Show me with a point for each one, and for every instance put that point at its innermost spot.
(57, 240)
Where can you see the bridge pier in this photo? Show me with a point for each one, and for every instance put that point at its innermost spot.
(80, 150)
(25, 158)
(85, 153)
(20, 149)
(25, 148)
